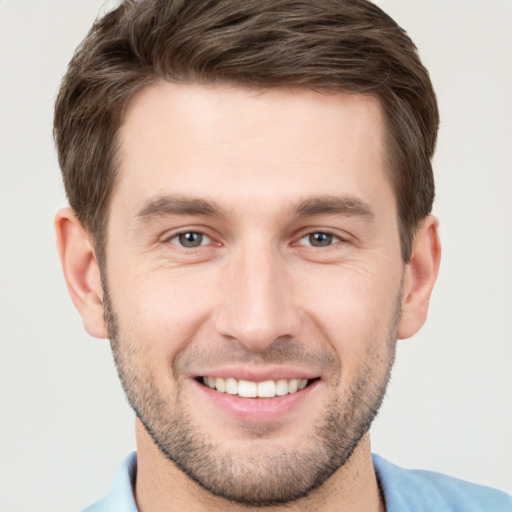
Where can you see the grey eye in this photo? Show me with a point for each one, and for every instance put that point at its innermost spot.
(190, 239)
(319, 239)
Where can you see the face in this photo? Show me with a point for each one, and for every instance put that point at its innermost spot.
(253, 281)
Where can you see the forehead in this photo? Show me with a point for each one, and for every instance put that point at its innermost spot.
(259, 144)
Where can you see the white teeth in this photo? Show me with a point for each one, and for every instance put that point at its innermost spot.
(292, 385)
(249, 389)
(231, 386)
(267, 389)
(282, 387)
(220, 384)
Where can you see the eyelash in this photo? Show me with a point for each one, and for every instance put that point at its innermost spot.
(177, 239)
(331, 239)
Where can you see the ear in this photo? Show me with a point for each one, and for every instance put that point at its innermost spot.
(420, 276)
(81, 271)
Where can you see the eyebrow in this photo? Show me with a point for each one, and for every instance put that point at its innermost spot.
(334, 205)
(178, 205)
(322, 205)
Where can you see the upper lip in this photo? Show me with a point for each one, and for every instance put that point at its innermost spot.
(256, 374)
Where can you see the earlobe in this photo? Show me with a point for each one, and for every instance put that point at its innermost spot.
(420, 277)
(81, 271)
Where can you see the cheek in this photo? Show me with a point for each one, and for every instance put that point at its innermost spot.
(355, 313)
(161, 312)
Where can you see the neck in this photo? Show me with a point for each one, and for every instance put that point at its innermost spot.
(162, 487)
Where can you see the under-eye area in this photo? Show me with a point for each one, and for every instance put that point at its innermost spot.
(251, 389)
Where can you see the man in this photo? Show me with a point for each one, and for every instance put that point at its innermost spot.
(250, 190)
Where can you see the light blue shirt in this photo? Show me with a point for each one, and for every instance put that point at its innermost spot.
(404, 491)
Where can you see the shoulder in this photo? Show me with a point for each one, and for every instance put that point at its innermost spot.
(120, 497)
(422, 491)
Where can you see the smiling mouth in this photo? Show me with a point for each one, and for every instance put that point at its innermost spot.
(251, 389)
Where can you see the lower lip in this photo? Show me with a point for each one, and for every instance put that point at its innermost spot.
(257, 410)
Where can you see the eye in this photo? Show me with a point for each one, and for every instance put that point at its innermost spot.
(319, 239)
(190, 239)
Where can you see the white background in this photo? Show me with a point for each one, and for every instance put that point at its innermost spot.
(65, 426)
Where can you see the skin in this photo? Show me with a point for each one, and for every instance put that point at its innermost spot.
(257, 174)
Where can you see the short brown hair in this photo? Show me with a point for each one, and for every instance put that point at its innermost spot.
(327, 45)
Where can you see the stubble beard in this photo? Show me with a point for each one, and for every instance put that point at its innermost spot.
(264, 478)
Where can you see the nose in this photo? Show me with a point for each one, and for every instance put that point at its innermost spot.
(258, 305)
